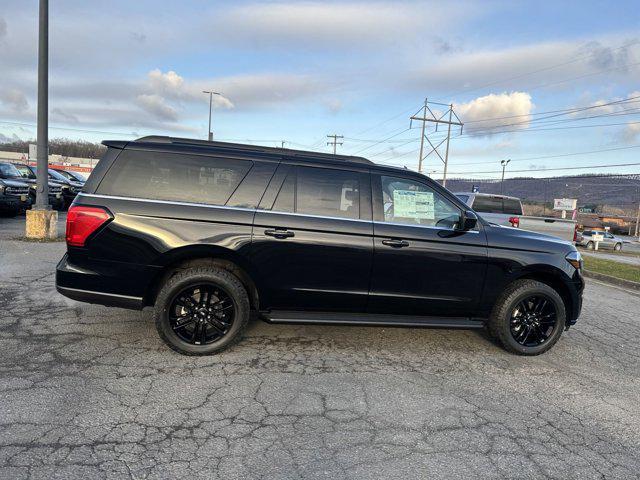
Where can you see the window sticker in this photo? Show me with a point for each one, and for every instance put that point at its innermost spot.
(412, 204)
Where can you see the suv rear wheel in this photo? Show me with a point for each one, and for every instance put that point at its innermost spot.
(201, 310)
(528, 318)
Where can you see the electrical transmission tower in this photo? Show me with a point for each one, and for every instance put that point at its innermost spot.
(445, 118)
(335, 141)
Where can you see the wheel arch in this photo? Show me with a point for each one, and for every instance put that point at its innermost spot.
(555, 279)
(202, 255)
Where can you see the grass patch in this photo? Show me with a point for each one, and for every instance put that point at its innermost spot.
(612, 268)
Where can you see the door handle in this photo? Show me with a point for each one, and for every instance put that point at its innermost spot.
(395, 243)
(279, 233)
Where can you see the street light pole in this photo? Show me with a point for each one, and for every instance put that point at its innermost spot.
(42, 180)
(504, 165)
(211, 94)
(41, 220)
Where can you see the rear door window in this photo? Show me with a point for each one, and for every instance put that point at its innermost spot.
(327, 192)
(512, 206)
(488, 204)
(169, 176)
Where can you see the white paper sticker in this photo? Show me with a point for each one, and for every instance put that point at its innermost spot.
(412, 204)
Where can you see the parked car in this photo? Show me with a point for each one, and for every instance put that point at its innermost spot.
(70, 188)
(609, 241)
(28, 175)
(207, 232)
(507, 211)
(14, 195)
(72, 175)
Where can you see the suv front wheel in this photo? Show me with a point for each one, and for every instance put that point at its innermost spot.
(201, 310)
(528, 317)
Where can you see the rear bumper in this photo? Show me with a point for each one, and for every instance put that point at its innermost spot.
(104, 283)
(101, 298)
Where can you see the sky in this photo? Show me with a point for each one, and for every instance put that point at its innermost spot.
(542, 83)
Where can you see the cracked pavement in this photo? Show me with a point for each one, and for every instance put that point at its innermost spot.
(91, 392)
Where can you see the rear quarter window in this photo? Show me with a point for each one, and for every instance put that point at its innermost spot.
(488, 204)
(512, 206)
(174, 177)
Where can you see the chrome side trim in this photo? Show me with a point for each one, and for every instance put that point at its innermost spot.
(424, 226)
(326, 217)
(165, 202)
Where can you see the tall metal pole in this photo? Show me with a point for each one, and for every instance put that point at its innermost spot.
(446, 152)
(42, 182)
(211, 94)
(638, 217)
(504, 166)
(424, 115)
(210, 104)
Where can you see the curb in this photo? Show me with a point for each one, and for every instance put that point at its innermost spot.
(612, 280)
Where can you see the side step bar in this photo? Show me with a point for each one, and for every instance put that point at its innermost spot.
(369, 319)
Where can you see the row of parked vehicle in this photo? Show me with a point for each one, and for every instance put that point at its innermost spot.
(18, 187)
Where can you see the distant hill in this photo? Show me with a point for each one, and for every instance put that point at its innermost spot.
(613, 191)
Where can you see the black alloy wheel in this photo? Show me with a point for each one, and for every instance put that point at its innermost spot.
(533, 320)
(201, 314)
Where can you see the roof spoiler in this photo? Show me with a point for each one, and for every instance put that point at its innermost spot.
(119, 144)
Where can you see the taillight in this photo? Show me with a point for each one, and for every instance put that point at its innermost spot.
(82, 222)
(575, 232)
(514, 221)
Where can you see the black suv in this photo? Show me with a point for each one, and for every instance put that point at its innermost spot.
(208, 232)
(28, 175)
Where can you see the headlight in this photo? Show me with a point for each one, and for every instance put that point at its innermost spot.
(575, 259)
(3, 189)
(33, 186)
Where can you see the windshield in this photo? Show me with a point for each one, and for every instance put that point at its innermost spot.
(57, 176)
(73, 175)
(8, 170)
(25, 171)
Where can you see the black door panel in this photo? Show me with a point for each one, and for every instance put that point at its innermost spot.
(433, 272)
(319, 264)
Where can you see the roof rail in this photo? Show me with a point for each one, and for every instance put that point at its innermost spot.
(250, 148)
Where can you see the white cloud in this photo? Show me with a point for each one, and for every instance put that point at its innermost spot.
(486, 114)
(14, 100)
(323, 25)
(551, 65)
(631, 132)
(157, 106)
(3, 28)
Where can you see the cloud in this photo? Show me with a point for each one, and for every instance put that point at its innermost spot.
(157, 106)
(631, 132)
(486, 114)
(3, 28)
(537, 65)
(58, 114)
(15, 100)
(322, 25)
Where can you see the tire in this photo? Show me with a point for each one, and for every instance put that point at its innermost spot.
(590, 246)
(502, 318)
(617, 247)
(215, 279)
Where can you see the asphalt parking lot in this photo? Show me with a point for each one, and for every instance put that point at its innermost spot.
(91, 392)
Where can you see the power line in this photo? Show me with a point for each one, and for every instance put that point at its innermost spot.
(533, 72)
(553, 169)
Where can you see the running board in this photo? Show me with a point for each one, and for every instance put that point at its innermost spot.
(369, 319)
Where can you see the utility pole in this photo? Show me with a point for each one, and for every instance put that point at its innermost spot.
(638, 217)
(429, 116)
(41, 219)
(335, 141)
(42, 185)
(424, 124)
(282, 142)
(504, 164)
(211, 94)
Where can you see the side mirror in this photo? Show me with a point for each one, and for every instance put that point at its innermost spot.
(468, 220)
